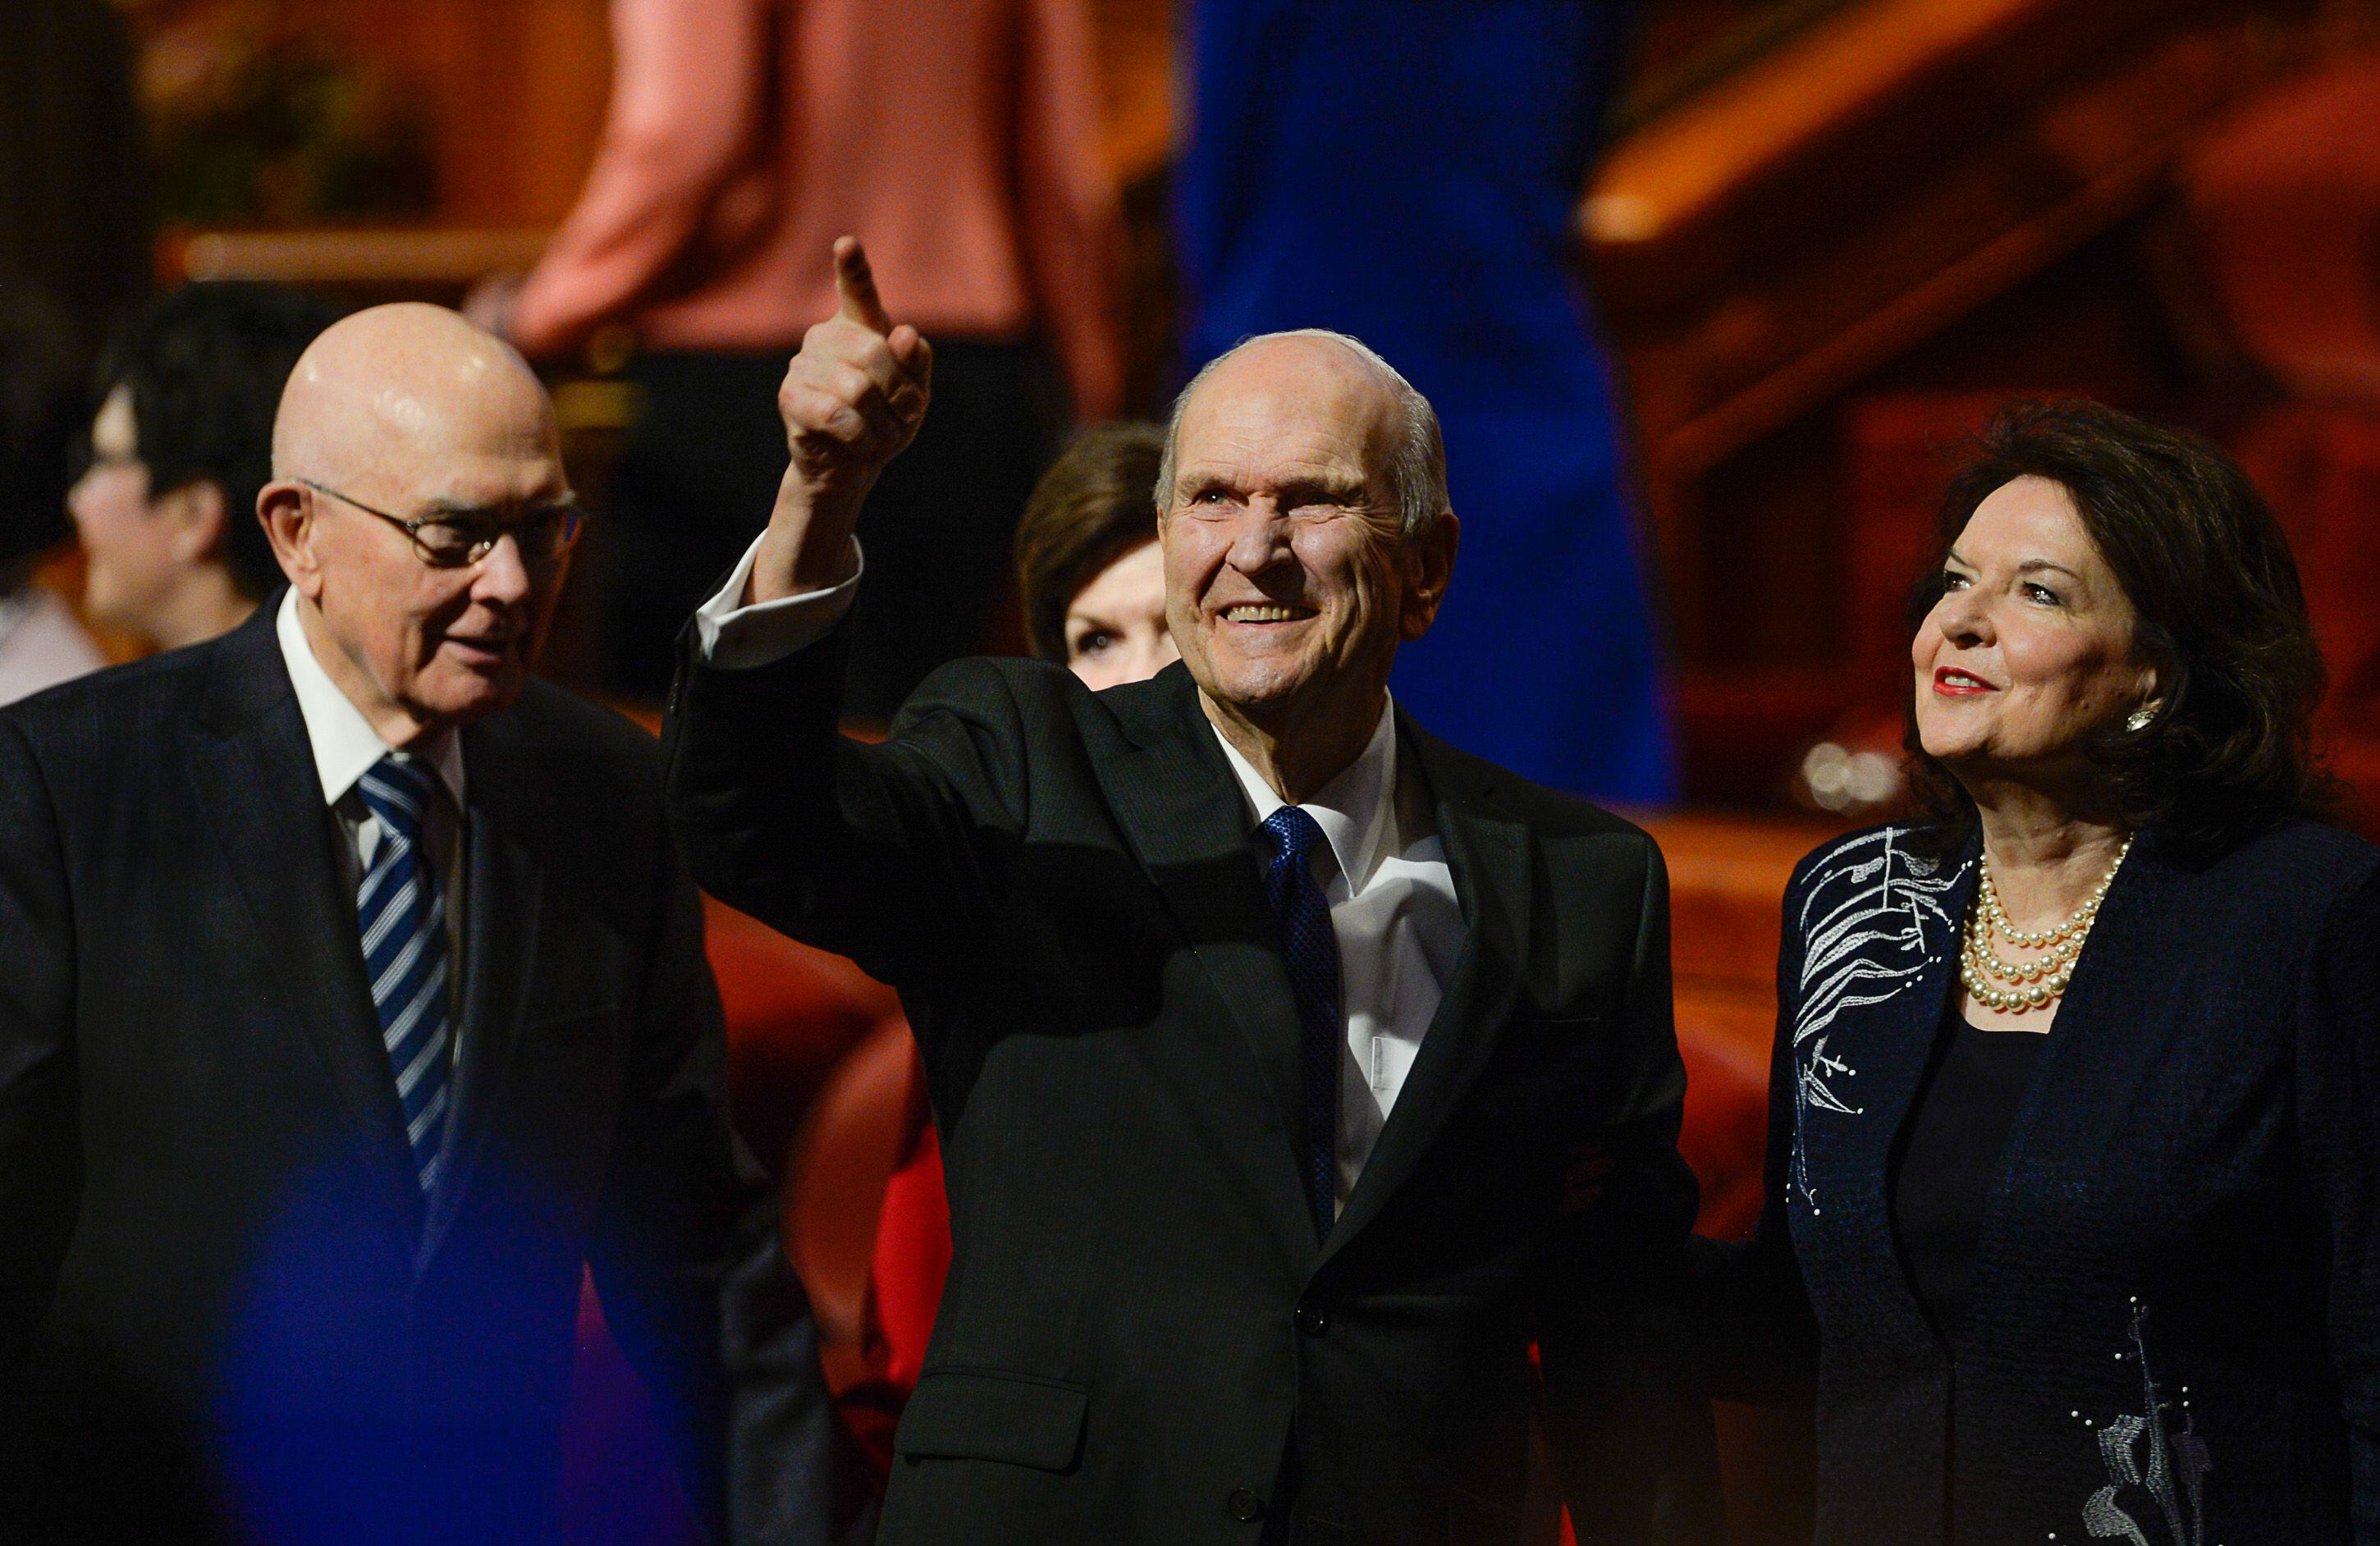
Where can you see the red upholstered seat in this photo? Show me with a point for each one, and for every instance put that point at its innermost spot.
(865, 1124)
(821, 1075)
(913, 1256)
(1725, 1050)
(794, 1013)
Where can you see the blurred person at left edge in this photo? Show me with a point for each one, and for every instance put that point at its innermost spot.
(353, 997)
(180, 446)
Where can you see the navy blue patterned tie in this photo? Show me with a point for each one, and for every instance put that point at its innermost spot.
(1311, 952)
(404, 926)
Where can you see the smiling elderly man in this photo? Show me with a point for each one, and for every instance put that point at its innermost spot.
(1295, 1071)
(353, 997)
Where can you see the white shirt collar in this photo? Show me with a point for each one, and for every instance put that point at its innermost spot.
(346, 746)
(1352, 809)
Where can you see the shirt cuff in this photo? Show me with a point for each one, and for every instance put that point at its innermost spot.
(736, 638)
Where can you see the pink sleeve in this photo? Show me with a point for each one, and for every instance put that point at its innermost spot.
(1073, 223)
(686, 90)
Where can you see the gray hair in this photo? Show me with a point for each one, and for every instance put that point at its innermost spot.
(1420, 470)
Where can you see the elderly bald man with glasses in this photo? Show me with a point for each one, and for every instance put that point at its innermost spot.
(353, 999)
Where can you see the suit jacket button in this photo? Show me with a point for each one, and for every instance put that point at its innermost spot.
(1313, 1320)
(1244, 1505)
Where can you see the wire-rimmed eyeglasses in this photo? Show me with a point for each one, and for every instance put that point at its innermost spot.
(457, 539)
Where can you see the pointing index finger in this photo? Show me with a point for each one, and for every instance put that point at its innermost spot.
(854, 288)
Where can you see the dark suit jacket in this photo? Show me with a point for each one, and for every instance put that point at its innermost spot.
(2175, 1298)
(1140, 1340)
(211, 1243)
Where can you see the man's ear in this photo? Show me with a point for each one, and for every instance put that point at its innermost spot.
(194, 516)
(287, 509)
(1432, 559)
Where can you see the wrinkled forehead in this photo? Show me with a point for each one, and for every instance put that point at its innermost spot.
(415, 403)
(1288, 408)
(451, 442)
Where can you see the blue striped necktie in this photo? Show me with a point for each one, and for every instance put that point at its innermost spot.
(404, 924)
(1311, 952)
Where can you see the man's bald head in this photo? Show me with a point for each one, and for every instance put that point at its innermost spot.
(407, 416)
(404, 381)
(1418, 456)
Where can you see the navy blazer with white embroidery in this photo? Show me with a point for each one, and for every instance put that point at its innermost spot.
(2174, 1337)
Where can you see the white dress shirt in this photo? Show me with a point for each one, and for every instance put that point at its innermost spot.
(1394, 913)
(346, 747)
(737, 637)
(1392, 904)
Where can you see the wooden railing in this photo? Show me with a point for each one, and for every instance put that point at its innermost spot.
(1854, 193)
(360, 258)
(1684, 166)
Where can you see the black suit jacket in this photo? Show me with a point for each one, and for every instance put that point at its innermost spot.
(1140, 1340)
(213, 1246)
(2175, 1310)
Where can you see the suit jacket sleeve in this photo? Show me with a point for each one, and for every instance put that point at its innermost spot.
(889, 854)
(686, 1257)
(1758, 1334)
(41, 1179)
(1629, 1424)
(2339, 1105)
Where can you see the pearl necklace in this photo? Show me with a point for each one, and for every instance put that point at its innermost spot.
(2030, 984)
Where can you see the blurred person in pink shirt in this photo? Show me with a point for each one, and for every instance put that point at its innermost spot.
(959, 140)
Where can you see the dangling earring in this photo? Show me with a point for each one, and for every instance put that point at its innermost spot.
(2140, 719)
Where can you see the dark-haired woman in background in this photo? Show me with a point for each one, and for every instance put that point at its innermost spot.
(1087, 558)
(2074, 1149)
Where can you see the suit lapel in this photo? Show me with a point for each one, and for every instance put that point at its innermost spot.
(504, 886)
(1909, 1029)
(254, 769)
(1181, 810)
(1489, 858)
(1881, 950)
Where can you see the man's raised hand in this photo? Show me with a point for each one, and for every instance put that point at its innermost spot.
(852, 400)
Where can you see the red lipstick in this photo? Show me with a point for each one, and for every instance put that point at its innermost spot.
(1951, 683)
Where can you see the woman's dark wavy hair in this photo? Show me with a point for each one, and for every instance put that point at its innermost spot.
(1090, 509)
(2219, 613)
